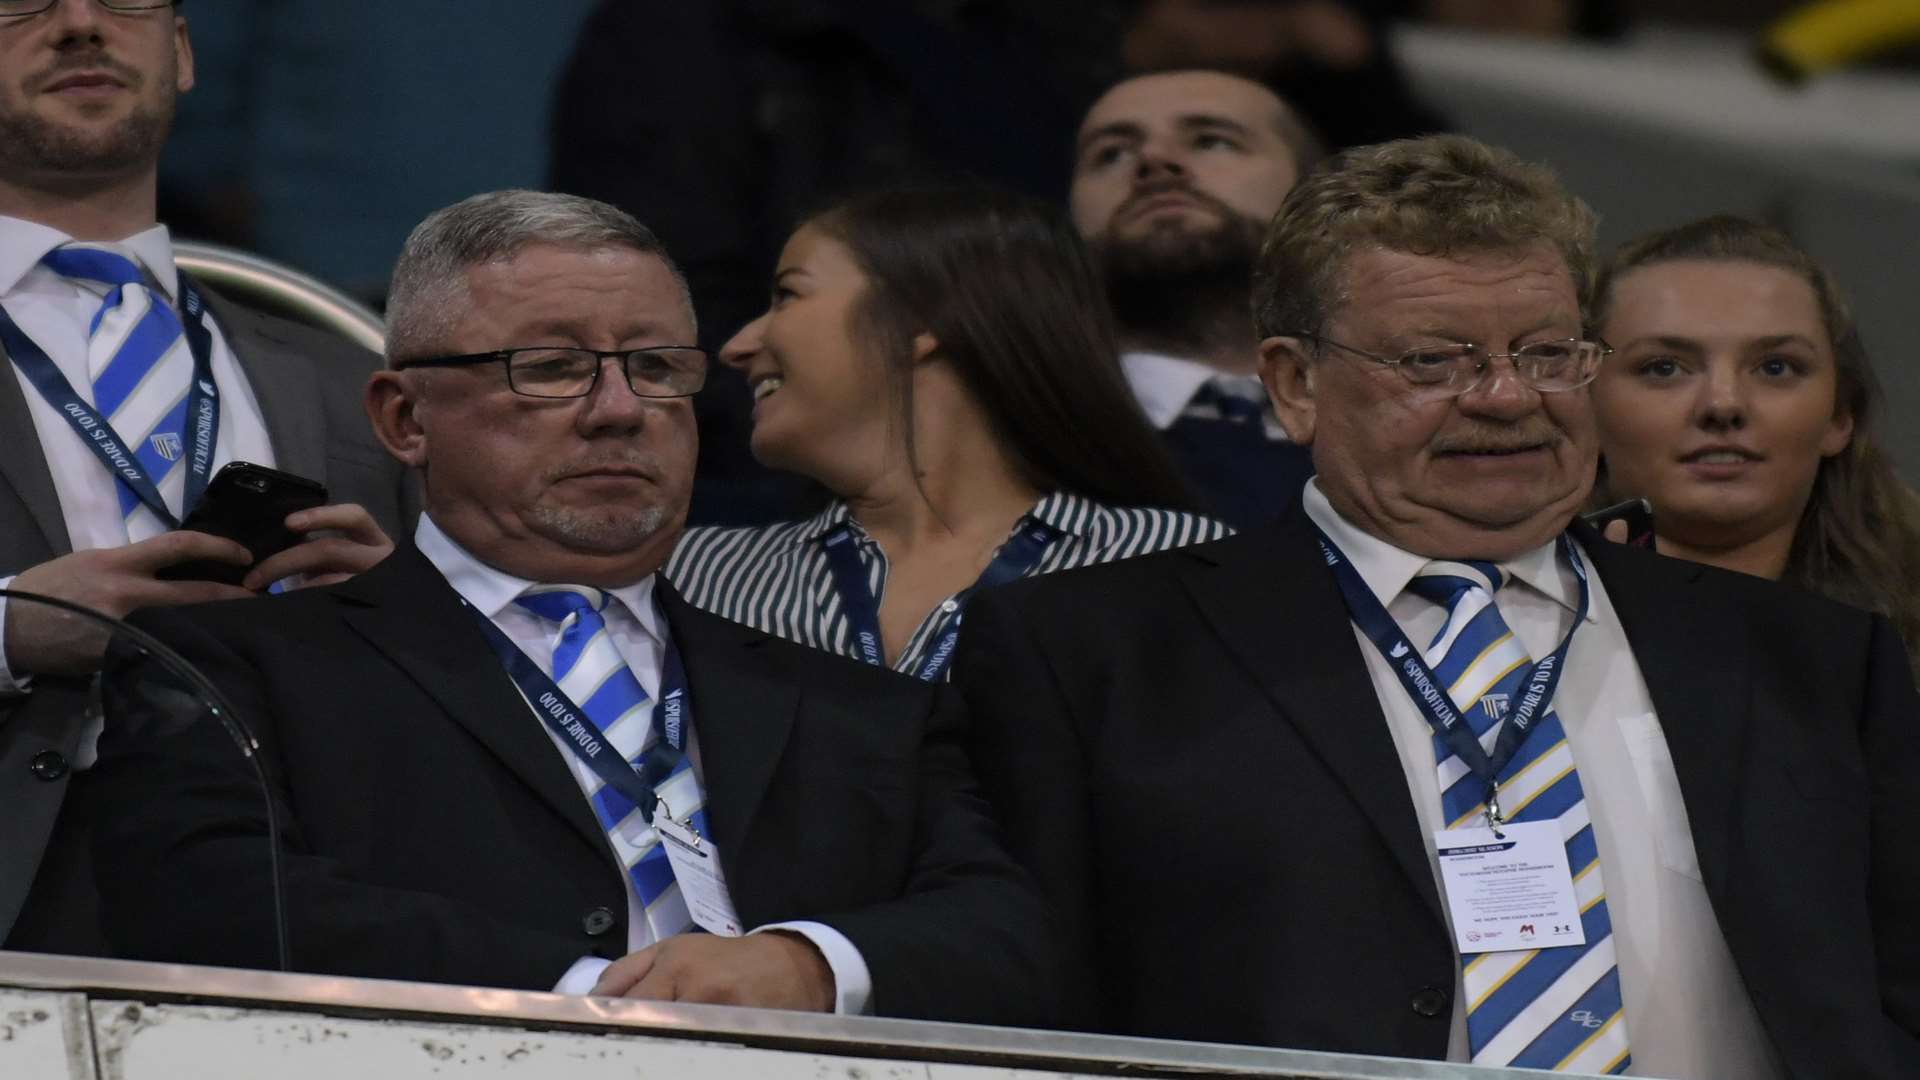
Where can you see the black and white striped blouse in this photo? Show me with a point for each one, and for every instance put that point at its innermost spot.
(777, 578)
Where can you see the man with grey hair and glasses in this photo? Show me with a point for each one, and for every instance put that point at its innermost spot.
(1449, 775)
(130, 387)
(510, 755)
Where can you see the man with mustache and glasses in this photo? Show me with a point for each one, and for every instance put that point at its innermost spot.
(1174, 177)
(96, 319)
(1429, 769)
(510, 755)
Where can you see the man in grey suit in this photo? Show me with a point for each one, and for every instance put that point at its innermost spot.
(96, 321)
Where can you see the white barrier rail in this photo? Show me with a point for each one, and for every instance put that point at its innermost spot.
(68, 1018)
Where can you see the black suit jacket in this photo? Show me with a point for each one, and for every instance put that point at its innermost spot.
(1209, 793)
(432, 831)
(308, 385)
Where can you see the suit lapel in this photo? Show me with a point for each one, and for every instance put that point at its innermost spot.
(24, 466)
(1697, 673)
(283, 382)
(406, 611)
(1280, 615)
(743, 711)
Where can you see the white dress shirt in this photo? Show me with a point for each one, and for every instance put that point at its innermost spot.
(55, 313)
(1688, 1014)
(1165, 385)
(640, 636)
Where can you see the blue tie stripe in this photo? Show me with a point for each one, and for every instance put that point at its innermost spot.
(1564, 1035)
(1506, 1003)
(1582, 850)
(157, 466)
(610, 806)
(93, 264)
(1501, 1006)
(156, 332)
(1467, 792)
(1563, 796)
(135, 361)
(653, 874)
(578, 611)
(615, 697)
(555, 605)
(558, 606)
(1445, 588)
(1485, 629)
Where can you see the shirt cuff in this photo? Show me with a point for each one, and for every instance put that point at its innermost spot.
(852, 983)
(10, 683)
(581, 977)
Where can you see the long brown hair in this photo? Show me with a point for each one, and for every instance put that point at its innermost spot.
(1858, 540)
(1005, 286)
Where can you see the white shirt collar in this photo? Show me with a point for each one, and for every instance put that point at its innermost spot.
(1387, 569)
(490, 590)
(1164, 384)
(23, 243)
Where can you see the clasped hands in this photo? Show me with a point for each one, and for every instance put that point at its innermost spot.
(776, 969)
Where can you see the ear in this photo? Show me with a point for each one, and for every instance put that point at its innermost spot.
(1839, 432)
(925, 345)
(392, 400)
(182, 55)
(1287, 369)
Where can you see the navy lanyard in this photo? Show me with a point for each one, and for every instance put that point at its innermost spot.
(672, 719)
(203, 407)
(1015, 560)
(1426, 689)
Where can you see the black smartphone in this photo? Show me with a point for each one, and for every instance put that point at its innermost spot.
(1637, 513)
(248, 504)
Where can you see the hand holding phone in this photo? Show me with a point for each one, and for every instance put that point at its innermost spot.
(248, 504)
(1636, 513)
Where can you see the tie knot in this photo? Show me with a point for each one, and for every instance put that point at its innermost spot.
(103, 264)
(1239, 398)
(1444, 581)
(558, 603)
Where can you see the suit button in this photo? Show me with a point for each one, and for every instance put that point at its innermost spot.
(1432, 1001)
(597, 922)
(49, 765)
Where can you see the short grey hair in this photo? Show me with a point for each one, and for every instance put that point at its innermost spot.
(428, 295)
(1443, 195)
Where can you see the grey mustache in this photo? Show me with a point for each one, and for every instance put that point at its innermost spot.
(1487, 443)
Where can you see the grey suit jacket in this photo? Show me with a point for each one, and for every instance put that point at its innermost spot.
(308, 384)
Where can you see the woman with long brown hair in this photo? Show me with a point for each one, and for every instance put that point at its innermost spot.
(1740, 401)
(943, 362)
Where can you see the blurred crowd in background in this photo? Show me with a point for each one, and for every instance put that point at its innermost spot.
(314, 157)
(722, 123)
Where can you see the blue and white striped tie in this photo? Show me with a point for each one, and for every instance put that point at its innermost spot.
(591, 672)
(1557, 1008)
(141, 370)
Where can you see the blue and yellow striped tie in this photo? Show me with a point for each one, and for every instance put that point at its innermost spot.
(593, 675)
(1556, 1008)
(141, 370)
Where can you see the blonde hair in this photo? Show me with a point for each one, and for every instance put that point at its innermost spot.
(1858, 540)
(1439, 195)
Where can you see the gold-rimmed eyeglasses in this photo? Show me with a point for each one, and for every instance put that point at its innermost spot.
(1451, 370)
